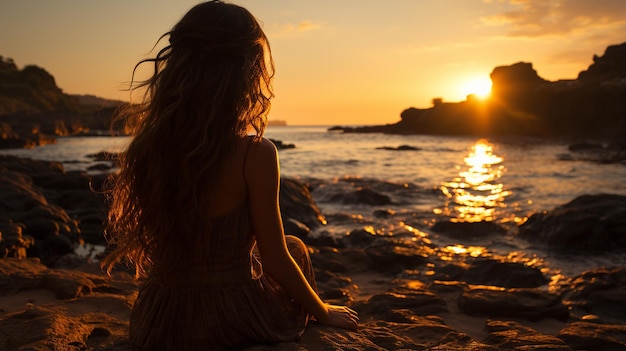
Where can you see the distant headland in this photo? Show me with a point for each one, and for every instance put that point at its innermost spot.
(277, 123)
(33, 109)
(524, 104)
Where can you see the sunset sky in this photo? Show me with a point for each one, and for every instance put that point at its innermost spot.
(338, 61)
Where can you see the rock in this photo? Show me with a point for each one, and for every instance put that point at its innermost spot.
(351, 260)
(512, 80)
(592, 336)
(20, 274)
(507, 335)
(295, 227)
(392, 257)
(360, 238)
(282, 146)
(468, 230)
(384, 306)
(595, 152)
(296, 203)
(610, 66)
(12, 242)
(69, 284)
(50, 205)
(492, 272)
(531, 304)
(384, 213)
(40, 328)
(585, 146)
(102, 166)
(399, 148)
(599, 292)
(104, 156)
(364, 196)
(505, 274)
(587, 223)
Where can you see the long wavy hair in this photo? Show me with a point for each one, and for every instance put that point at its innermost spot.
(210, 86)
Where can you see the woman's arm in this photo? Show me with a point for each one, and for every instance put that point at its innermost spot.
(262, 175)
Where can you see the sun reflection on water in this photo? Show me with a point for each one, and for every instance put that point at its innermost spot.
(477, 192)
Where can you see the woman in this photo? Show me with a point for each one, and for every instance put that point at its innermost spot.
(195, 205)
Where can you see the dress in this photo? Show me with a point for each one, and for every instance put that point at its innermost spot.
(224, 303)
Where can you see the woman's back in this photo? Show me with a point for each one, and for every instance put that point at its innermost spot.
(229, 189)
(218, 297)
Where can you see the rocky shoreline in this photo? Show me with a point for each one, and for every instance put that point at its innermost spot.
(411, 293)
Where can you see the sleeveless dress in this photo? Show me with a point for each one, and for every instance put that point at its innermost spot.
(224, 303)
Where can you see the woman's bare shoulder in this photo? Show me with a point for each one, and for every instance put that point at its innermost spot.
(261, 161)
(262, 149)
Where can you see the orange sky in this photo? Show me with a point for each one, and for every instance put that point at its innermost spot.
(338, 62)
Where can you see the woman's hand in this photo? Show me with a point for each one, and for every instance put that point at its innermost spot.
(341, 317)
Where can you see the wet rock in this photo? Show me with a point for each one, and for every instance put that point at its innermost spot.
(392, 259)
(589, 222)
(17, 192)
(324, 240)
(492, 272)
(507, 335)
(295, 227)
(364, 196)
(101, 166)
(39, 196)
(531, 304)
(592, 336)
(340, 261)
(104, 156)
(595, 152)
(360, 238)
(384, 213)
(504, 274)
(280, 145)
(337, 296)
(296, 203)
(600, 292)
(399, 148)
(468, 230)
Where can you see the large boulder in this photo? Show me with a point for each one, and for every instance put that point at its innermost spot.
(589, 222)
(296, 204)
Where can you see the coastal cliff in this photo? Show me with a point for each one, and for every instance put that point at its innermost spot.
(33, 109)
(524, 104)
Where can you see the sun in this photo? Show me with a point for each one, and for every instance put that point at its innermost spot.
(478, 86)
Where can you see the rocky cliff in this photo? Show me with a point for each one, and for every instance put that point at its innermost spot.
(32, 107)
(523, 103)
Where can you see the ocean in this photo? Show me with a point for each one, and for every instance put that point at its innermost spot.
(426, 178)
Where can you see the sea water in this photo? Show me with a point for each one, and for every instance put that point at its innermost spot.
(504, 180)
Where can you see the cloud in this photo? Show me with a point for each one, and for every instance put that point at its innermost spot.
(290, 29)
(534, 18)
(306, 25)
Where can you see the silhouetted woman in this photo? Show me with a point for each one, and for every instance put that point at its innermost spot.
(195, 205)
